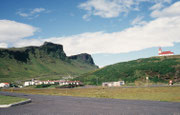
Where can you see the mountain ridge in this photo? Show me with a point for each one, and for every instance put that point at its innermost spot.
(47, 59)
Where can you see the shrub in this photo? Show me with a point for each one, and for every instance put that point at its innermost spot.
(43, 86)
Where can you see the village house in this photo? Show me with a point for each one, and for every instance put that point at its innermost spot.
(164, 53)
(4, 85)
(64, 82)
(28, 83)
(59, 82)
(113, 84)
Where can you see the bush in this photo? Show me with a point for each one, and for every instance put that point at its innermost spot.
(43, 86)
(67, 86)
(156, 79)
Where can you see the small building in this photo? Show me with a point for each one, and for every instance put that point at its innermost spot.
(113, 84)
(37, 82)
(60, 82)
(64, 82)
(32, 82)
(28, 83)
(3, 85)
(164, 53)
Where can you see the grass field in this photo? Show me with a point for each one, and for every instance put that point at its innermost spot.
(171, 94)
(158, 69)
(9, 100)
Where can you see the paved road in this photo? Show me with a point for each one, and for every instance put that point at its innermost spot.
(64, 105)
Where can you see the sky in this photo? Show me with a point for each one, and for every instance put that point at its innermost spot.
(111, 31)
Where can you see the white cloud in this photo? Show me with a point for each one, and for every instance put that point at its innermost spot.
(159, 4)
(23, 14)
(37, 10)
(32, 13)
(113, 8)
(162, 31)
(3, 45)
(138, 21)
(172, 11)
(86, 17)
(108, 8)
(28, 42)
(11, 31)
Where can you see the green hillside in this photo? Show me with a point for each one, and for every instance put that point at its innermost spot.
(45, 62)
(158, 69)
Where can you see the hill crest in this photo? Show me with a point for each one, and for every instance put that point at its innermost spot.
(158, 69)
(48, 59)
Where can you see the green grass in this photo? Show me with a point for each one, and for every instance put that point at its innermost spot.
(158, 69)
(4, 100)
(11, 70)
(171, 94)
(45, 62)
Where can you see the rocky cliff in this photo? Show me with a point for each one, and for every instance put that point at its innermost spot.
(46, 60)
(83, 57)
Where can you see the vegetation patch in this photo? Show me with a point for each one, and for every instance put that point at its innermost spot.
(43, 86)
(171, 94)
(157, 69)
(5, 100)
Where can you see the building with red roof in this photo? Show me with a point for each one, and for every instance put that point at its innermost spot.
(164, 53)
(4, 85)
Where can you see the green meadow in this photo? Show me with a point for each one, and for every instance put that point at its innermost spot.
(4, 100)
(171, 94)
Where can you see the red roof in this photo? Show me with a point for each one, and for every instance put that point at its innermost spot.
(6, 83)
(166, 52)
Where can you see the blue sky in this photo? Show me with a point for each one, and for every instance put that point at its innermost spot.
(111, 30)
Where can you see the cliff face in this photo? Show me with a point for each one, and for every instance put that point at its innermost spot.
(53, 50)
(47, 49)
(83, 57)
(45, 60)
(23, 54)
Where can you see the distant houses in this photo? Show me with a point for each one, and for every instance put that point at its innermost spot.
(113, 84)
(58, 82)
(4, 85)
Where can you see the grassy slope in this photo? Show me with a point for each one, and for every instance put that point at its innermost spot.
(158, 69)
(9, 100)
(47, 68)
(154, 93)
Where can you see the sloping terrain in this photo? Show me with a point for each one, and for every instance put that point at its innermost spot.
(158, 69)
(48, 61)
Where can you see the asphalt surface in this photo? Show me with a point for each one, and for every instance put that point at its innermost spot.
(66, 105)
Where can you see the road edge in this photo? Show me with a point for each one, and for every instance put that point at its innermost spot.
(15, 104)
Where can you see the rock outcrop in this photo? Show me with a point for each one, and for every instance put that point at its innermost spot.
(83, 57)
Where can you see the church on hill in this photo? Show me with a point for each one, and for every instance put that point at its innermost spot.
(164, 53)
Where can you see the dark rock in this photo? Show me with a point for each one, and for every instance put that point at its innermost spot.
(22, 56)
(83, 57)
(47, 49)
(54, 50)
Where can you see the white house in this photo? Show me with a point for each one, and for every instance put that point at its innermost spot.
(27, 83)
(60, 82)
(113, 84)
(64, 82)
(4, 85)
